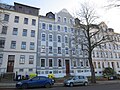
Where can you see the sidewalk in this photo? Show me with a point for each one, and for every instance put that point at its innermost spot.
(12, 84)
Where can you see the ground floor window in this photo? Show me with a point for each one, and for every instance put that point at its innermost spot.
(42, 62)
(1, 58)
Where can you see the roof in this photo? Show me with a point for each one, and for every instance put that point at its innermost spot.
(26, 5)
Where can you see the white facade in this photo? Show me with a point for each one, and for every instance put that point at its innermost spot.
(20, 43)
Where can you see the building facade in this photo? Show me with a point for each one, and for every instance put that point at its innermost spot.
(18, 38)
(31, 43)
(56, 53)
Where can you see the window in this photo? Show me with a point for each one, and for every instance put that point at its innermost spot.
(21, 70)
(59, 50)
(1, 58)
(25, 20)
(115, 55)
(43, 25)
(23, 45)
(43, 49)
(50, 27)
(31, 59)
(42, 62)
(118, 66)
(59, 19)
(30, 70)
(70, 21)
(65, 28)
(65, 20)
(66, 39)
(22, 59)
(71, 30)
(66, 50)
(15, 31)
(108, 64)
(32, 33)
(58, 27)
(50, 49)
(99, 66)
(6, 17)
(11, 57)
(103, 65)
(2, 43)
(4, 30)
(50, 63)
(13, 44)
(32, 45)
(43, 37)
(24, 32)
(16, 20)
(74, 63)
(81, 62)
(95, 65)
(87, 63)
(50, 38)
(93, 54)
(59, 38)
(97, 54)
(33, 22)
(59, 63)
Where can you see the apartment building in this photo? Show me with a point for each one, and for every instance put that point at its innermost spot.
(58, 54)
(18, 38)
(108, 54)
(32, 43)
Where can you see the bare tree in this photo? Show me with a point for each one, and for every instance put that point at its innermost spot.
(92, 35)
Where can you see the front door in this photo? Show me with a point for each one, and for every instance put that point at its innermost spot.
(10, 64)
(67, 67)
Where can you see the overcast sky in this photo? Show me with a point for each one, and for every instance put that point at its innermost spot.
(111, 17)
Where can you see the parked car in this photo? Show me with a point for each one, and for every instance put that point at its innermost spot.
(38, 81)
(76, 80)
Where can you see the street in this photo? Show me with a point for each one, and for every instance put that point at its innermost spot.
(90, 87)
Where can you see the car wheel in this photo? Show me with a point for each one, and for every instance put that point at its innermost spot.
(85, 84)
(71, 84)
(48, 85)
(24, 86)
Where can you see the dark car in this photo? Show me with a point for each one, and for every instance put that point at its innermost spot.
(76, 80)
(38, 81)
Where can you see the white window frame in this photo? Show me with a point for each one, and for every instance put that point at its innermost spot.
(22, 59)
(49, 63)
(44, 63)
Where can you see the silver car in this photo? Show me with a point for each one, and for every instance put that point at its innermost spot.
(76, 80)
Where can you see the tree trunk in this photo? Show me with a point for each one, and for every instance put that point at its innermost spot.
(93, 79)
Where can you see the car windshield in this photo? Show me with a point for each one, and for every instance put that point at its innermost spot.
(70, 77)
(34, 78)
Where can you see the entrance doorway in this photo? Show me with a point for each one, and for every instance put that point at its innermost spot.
(67, 67)
(10, 64)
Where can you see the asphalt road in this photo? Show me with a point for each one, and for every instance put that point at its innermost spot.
(90, 87)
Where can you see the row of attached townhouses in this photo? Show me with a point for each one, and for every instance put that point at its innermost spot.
(31, 43)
